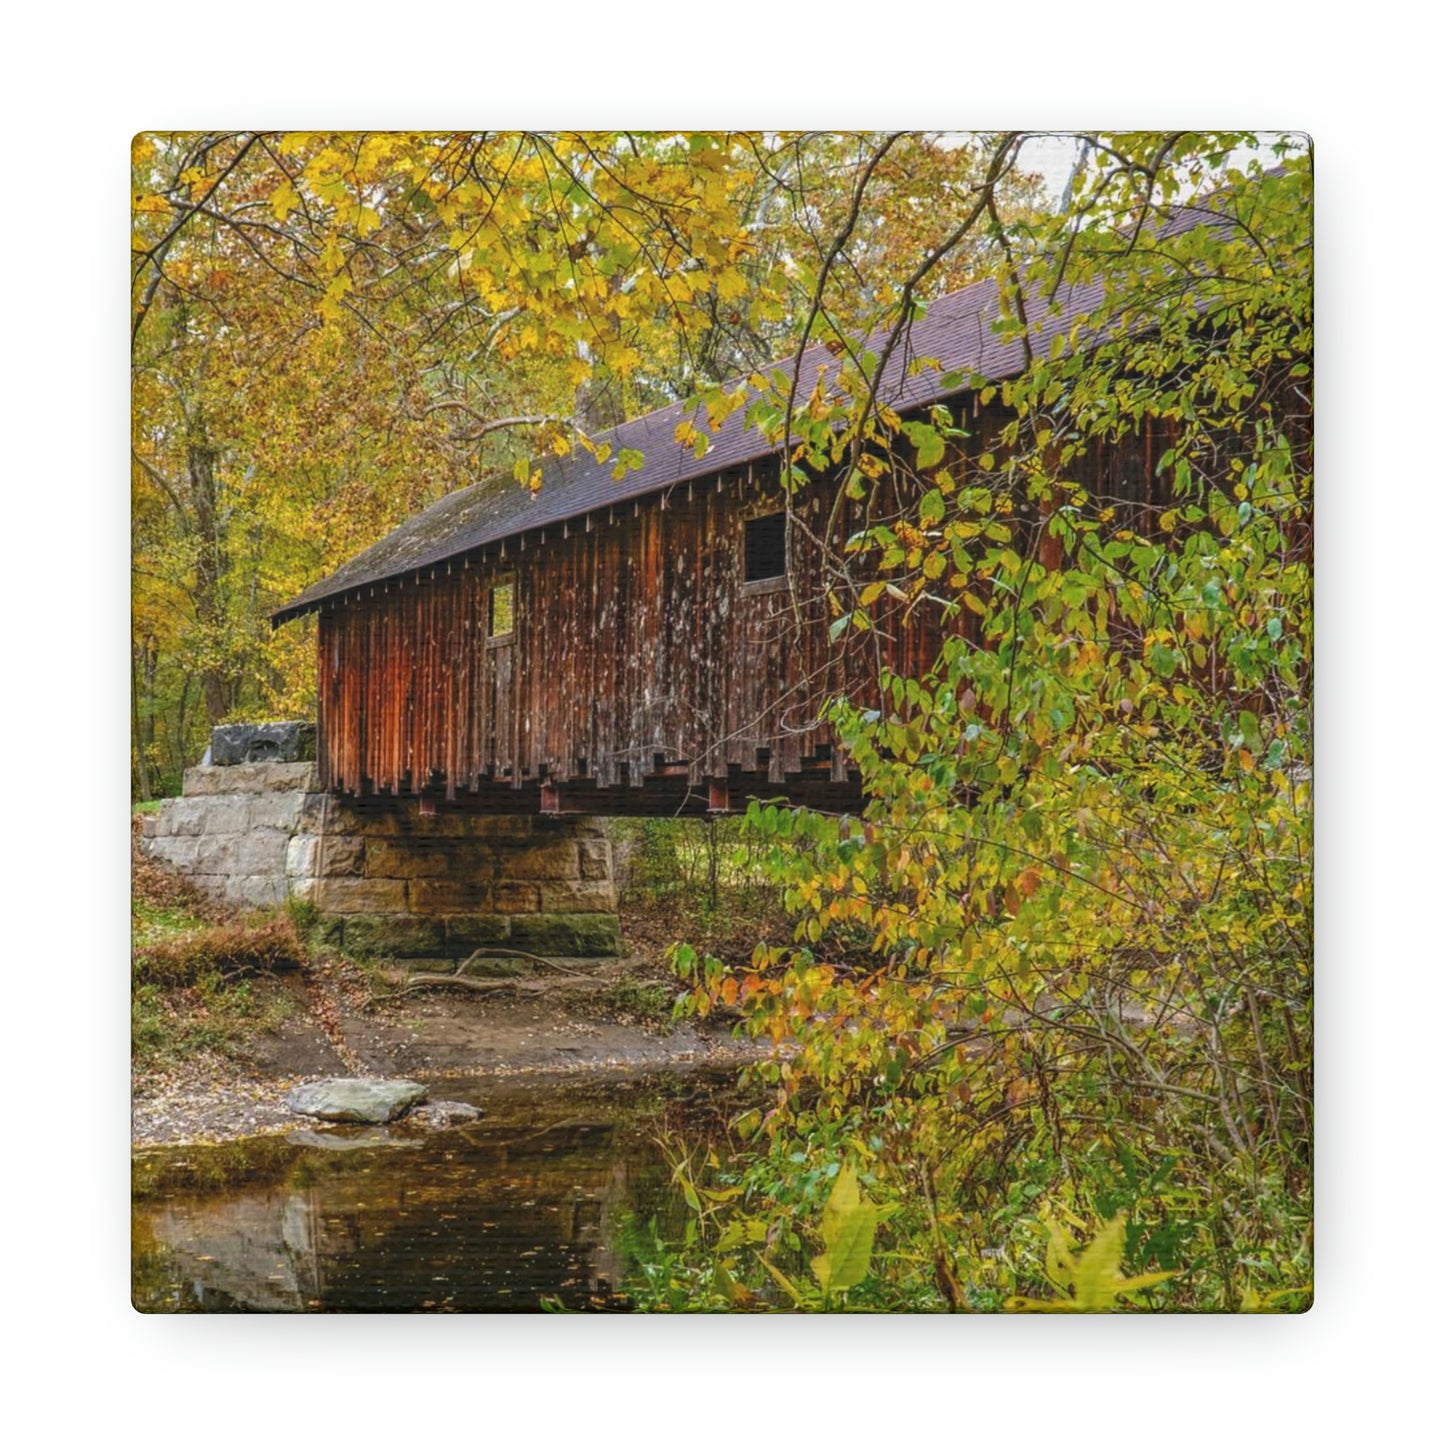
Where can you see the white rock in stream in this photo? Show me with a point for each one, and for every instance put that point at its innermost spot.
(444, 1114)
(356, 1101)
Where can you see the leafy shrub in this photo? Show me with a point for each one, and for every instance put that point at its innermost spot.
(1064, 956)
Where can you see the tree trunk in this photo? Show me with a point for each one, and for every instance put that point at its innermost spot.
(140, 728)
(210, 613)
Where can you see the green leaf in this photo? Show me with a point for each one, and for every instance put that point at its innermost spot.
(930, 448)
(1249, 729)
(1163, 660)
(1090, 1280)
(629, 459)
(1095, 1272)
(849, 1223)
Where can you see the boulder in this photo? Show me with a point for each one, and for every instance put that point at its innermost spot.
(282, 742)
(356, 1101)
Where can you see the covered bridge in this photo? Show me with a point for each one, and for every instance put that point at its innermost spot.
(654, 644)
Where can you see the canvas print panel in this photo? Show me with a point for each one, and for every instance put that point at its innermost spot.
(722, 721)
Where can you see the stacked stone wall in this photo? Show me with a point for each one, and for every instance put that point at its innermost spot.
(389, 880)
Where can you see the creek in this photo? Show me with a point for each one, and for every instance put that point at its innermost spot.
(529, 1207)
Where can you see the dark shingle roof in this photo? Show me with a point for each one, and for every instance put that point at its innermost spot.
(956, 332)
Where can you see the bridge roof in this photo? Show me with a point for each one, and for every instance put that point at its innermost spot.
(957, 333)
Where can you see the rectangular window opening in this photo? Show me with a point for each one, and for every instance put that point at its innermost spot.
(499, 610)
(765, 547)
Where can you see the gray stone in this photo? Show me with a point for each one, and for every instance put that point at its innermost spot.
(251, 778)
(309, 855)
(466, 931)
(200, 782)
(263, 850)
(243, 854)
(373, 1137)
(225, 813)
(596, 859)
(177, 853)
(407, 858)
(362, 822)
(181, 818)
(274, 810)
(503, 825)
(256, 891)
(550, 860)
(357, 895)
(385, 880)
(441, 895)
(577, 898)
(318, 814)
(282, 777)
(515, 898)
(283, 742)
(356, 1101)
(302, 854)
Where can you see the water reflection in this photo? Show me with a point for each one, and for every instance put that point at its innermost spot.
(523, 1206)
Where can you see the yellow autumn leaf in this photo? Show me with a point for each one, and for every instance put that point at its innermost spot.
(284, 200)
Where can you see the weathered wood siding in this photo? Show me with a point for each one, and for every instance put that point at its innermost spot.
(640, 659)
(638, 649)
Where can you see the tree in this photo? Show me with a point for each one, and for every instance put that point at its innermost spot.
(1065, 954)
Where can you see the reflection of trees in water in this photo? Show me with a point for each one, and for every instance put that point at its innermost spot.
(470, 1221)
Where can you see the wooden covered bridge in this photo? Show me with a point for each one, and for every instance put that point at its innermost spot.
(657, 644)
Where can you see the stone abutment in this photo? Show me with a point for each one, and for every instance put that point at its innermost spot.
(384, 878)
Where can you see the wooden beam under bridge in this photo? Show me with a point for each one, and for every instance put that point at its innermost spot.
(665, 793)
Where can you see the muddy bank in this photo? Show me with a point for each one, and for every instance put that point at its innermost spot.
(338, 1026)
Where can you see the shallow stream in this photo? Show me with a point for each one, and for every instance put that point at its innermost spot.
(528, 1206)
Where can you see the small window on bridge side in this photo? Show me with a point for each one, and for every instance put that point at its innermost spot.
(499, 609)
(765, 548)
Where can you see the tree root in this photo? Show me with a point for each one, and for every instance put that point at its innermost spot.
(458, 980)
(518, 953)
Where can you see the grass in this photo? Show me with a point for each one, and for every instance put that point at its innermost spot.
(203, 976)
(185, 952)
(635, 1000)
(212, 1015)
